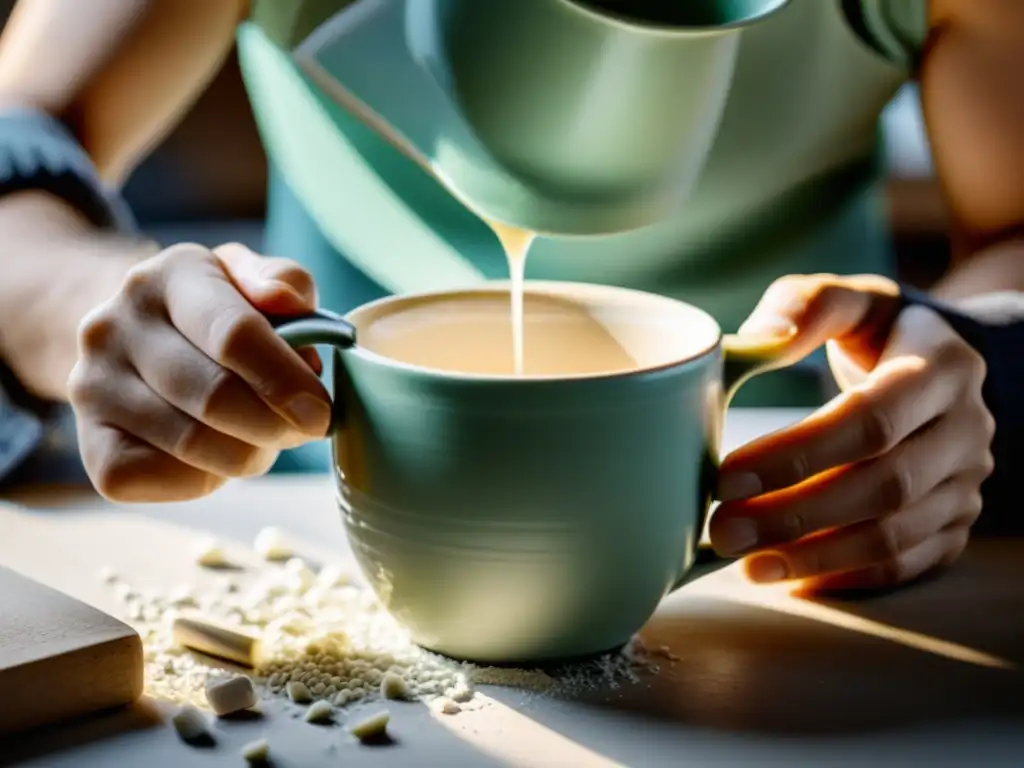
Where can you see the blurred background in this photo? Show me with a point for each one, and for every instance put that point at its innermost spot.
(207, 182)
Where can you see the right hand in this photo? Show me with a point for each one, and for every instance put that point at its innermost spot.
(181, 382)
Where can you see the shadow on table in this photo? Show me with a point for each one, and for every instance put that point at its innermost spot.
(140, 736)
(735, 658)
(50, 740)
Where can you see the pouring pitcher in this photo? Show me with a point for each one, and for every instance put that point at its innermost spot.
(565, 117)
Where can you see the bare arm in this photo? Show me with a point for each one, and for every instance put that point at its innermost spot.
(126, 71)
(973, 100)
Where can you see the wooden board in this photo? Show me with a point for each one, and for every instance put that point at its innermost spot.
(60, 658)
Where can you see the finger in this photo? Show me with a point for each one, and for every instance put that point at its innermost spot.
(275, 286)
(194, 384)
(956, 502)
(124, 469)
(851, 494)
(921, 374)
(136, 410)
(816, 308)
(939, 550)
(208, 310)
(312, 358)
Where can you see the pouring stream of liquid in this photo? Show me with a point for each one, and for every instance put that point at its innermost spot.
(516, 243)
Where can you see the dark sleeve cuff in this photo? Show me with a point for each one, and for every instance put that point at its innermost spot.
(1000, 344)
(37, 152)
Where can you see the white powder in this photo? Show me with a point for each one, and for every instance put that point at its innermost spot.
(338, 641)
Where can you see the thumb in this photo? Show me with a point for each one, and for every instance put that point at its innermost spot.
(856, 312)
(275, 286)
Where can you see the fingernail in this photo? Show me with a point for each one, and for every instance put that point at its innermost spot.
(768, 324)
(738, 485)
(735, 536)
(309, 413)
(765, 569)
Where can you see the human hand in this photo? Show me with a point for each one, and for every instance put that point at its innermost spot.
(880, 485)
(181, 382)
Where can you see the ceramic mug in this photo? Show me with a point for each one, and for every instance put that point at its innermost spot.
(570, 117)
(508, 519)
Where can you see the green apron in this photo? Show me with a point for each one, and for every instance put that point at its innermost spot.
(792, 184)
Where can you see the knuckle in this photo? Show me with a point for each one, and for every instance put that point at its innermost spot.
(98, 330)
(216, 390)
(826, 289)
(986, 463)
(973, 504)
(961, 356)
(292, 273)
(878, 432)
(235, 247)
(788, 288)
(141, 287)
(232, 329)
(188, 433)
(790, 281)
(181, 253)
(921, 322)
(799, 469)
(960, 538)
(892, 538)
(76, 383)
(86, 387)
(975, 363)
(988, 425)
(896, 487)
(794, 525)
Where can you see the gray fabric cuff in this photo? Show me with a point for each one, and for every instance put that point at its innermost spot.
(37, 152)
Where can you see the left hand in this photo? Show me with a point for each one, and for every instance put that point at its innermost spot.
(880, 485)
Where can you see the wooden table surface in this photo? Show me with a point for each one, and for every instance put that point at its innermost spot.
(927, 675)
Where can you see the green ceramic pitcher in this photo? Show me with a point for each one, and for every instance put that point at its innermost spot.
(508, 519)
(569, 117)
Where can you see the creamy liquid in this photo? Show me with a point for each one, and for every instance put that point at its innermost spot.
(474, 332)
(516, 243)
(471, 333)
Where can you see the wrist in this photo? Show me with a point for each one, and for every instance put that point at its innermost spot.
(64, 266)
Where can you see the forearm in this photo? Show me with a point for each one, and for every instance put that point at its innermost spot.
(54, 267)
(120, 73)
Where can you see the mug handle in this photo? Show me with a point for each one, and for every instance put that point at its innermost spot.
(744, 358)
(320, 327)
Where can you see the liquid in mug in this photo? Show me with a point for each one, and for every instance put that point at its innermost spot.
(475, 332)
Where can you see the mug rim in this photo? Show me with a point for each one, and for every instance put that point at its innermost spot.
(555, 287)
(626, 23)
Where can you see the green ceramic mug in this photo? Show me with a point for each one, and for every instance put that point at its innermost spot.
(508, 519)
(572, 117)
